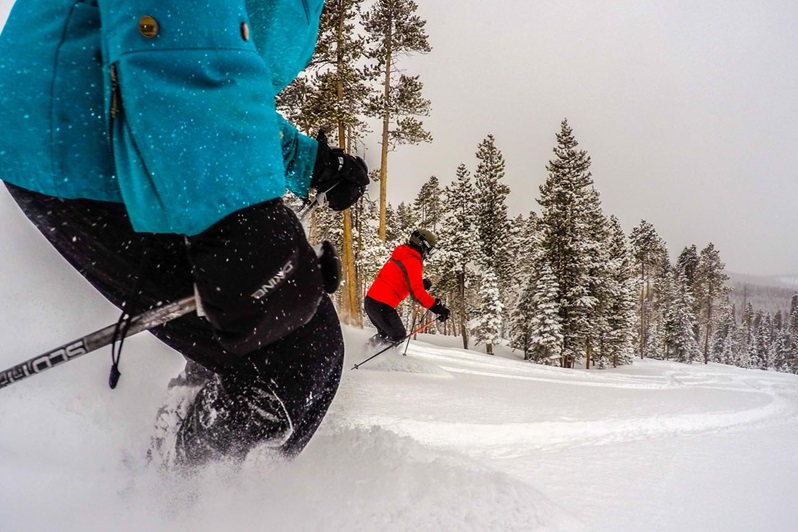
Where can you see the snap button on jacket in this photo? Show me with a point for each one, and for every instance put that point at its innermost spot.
(148, 27)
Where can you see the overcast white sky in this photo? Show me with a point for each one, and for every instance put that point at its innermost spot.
(687, 109)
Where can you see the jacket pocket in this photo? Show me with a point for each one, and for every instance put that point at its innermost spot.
(77, 117)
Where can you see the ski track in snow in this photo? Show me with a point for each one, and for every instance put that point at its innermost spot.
(502, 440)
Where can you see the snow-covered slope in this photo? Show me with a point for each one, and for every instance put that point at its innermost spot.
(440, 439)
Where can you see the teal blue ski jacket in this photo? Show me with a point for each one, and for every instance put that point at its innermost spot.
(165, 106)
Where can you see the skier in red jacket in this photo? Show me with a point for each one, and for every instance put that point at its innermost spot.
(399, 277)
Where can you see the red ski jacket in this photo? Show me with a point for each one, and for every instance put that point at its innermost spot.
(391, 285)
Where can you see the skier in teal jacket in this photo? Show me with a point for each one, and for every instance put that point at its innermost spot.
(141, 137)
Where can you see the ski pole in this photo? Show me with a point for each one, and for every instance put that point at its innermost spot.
(415, 315)
(105, 336)
(394, 344)
(96, 340)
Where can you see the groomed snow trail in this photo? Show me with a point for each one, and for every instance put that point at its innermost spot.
(647, 430)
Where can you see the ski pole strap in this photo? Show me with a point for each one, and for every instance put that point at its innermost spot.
(93, 341)
(308, 209)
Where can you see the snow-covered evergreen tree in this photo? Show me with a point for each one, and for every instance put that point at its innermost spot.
(536, 325)
(370, 252)
(782, 352)
(760, 351)
(711, 291)
(565, 239)
(518, 249)
(617, 347)
(687, 265)
(492, 221)
(600, 288)
(723, 337)
(487, 323)
(428, 204)
(458, 254)
(679, 320)
(649, 253)
(792, 336)
(405, 221)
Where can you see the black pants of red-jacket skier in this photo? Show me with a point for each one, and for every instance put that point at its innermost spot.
(385, 319)
(281, 363)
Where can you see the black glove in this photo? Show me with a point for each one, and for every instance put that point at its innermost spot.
(427, 283)
(439, 309)
(342, 177)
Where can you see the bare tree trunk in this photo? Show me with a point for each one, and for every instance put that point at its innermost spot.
(350, 311)
(386, 118)
(709, 326)
(588, 352)
(461, 296)
(643, 310)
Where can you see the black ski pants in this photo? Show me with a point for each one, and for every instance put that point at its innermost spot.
(385, 318)
(288, 342)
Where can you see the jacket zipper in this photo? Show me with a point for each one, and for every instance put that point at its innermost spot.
(115, 96)
(116, 105)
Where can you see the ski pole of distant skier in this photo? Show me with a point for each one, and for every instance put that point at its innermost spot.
(413, 326)
(397, 342)
(106, 336)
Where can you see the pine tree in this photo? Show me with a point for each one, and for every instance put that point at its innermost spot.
(520, 248)
(521, 315)
(544, 325)
(429, 204)
(458, 248)
(679, 321)
(394, 29)
(722, 347)
(370, 252)
(757, 346)
(487, 323)
(663, 290)
(687, 264)
(328, 225)
(405, 221)
(332, 95)
(600, 290)
(491, 195)
(622, 285)
(791, 336)
(564, 238)
(711, 281)
(648, 251)
(781, 351)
